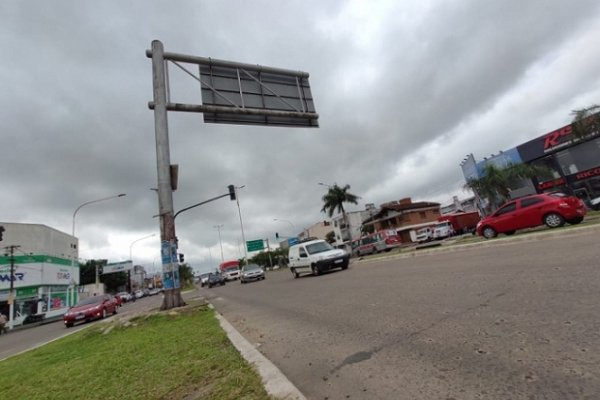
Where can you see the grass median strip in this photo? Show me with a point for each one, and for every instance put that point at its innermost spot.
(182, 354)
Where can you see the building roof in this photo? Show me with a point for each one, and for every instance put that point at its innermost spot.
(403, 207)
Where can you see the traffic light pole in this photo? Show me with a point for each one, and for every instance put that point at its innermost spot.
(201, 203)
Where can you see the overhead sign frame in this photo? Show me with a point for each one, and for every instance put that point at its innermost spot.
(248, 94)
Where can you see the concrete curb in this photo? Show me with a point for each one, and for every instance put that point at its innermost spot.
(451, 247)
(276, 383)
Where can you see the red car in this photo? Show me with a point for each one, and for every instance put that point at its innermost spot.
(552, 209)
(94, 307)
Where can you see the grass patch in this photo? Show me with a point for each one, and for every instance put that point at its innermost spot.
(182, 354)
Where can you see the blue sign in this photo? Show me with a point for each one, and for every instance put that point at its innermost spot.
(168, 254)
(292, 241)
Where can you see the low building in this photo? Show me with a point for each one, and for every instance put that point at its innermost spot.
(351, 228)
(318, 230)
(39, 273)
(404, 216)
(465, 205)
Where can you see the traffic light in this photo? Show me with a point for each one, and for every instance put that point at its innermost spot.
(181, 257)
(1, 232)
(231, 192)
(276, 235)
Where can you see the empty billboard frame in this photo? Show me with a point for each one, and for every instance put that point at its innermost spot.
(238, 93)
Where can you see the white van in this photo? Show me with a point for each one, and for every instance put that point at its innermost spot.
(316, 256)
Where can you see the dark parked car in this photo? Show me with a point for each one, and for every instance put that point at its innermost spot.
(215, 279)
(252, 272)
(89, 309)
(552, 209)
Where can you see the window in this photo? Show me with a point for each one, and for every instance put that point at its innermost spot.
(506, 209)
(579, 158)
(531, 201)
(422, 214)
(302, 252)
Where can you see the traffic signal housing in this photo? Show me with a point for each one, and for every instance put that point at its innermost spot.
(231, 192)
(181, 257)
(1, 233)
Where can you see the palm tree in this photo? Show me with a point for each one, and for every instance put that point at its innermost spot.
(495, 183)
(335, 198)
(586, 121)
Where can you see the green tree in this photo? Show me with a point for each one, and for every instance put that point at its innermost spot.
(87, 271)
(335, 198)
(186, 276)
(330, 237)
(495, 184)
(586, 121)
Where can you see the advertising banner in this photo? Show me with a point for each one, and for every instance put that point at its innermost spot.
(168, 252)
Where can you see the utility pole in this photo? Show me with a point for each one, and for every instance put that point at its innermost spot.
(172, 297)
(11, 296)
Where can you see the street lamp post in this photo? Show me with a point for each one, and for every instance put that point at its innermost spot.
(73, 228)
(220, 243)
(289, 222)
(135, 241)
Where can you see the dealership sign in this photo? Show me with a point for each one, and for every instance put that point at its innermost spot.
(37, 273)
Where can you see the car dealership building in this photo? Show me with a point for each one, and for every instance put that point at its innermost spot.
(573, 162)
(39, 273)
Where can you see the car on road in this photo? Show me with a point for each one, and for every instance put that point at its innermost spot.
(204, 279)
(551, 209)
(125, 297)
(139, 294)
(316, 256)
(153, 291)
(215, 279)
(252, 272)
(95, 307)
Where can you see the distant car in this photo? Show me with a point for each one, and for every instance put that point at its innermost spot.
(252, 272)
(125, 297)
(90, 309)
(139, 294)
(204, 279)
(552, 209)
(153, 291)
(215, 279)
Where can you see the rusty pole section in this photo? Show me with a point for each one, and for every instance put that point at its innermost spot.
(172, 294)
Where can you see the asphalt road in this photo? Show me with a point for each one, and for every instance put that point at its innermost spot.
(515, 320)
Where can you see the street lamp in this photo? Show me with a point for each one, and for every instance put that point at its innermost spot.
(324, 184)
(131, 257)
(220, 243)
(134, 242)
(73, 229)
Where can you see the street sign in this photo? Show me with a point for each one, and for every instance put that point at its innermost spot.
(255, 245)
(117, 267)
(292, 241)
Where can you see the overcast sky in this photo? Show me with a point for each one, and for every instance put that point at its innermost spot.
(404, 90)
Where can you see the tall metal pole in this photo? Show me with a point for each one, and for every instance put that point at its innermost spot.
(220, 243)
(237, 199)
(172, 297)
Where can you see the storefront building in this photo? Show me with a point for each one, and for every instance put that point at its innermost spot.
(39, 273)
(573, 162)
